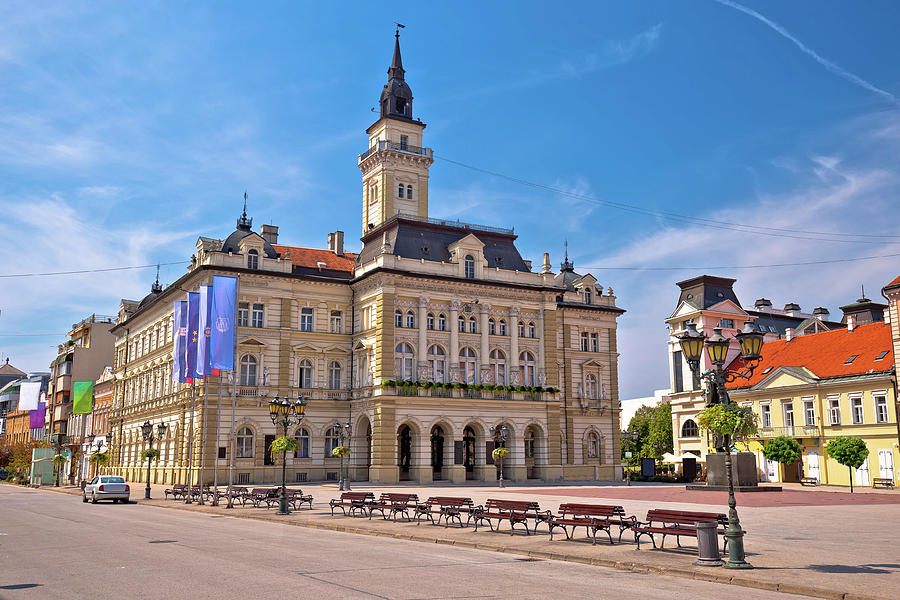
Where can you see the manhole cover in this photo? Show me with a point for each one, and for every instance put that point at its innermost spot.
(162, 541)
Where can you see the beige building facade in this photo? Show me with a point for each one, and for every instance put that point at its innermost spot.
(429, 337)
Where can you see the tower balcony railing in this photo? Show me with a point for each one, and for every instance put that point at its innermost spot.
(389, 145)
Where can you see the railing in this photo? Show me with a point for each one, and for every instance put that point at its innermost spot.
(452, 223)
(468, 393)
(795, 431)
(308, 393)
(389, 145)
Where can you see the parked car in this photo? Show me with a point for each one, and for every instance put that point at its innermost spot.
(106, 487)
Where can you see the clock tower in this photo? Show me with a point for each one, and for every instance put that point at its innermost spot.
(395, 167)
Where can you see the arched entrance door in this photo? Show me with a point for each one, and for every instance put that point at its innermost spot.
(404, 448)
(469, 452)
(530, 446)
(437, 452)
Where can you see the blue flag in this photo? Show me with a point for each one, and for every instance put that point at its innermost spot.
(180, 341)
(193, 303)
(222, 319)
(203, 356)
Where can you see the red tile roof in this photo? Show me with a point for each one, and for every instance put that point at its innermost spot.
(826, 353)
(310, 257)
(894, 282)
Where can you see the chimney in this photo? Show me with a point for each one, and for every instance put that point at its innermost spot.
(789, 334)
(269, 233)
(851, 322)
(791, 308)
(336, 242)
(821, 312)
(545, 266)
(762, 304)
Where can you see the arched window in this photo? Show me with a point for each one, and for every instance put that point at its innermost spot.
(521, 329)
(305, 370)
(473, 325)
(398, 318)
(437, 364)
(429, 323)
(593, 445)
(244, 441)
(248, 370)
(492, 327)
(526, 365)
(470, 266)
(530, 443)
(253, 259)
(332, 441)
(410, 319)
(501, 330)
(405, 362)
(689, 429)
(532, 331)
(334, 375)
(590, 387)
(498, 366)
(302, 436)
(409, 192)
(462, 324)
(468, 365)
(442, 322)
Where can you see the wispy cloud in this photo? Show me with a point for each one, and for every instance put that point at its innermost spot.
(831, 66)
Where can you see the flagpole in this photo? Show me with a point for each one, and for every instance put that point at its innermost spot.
(187, 497)
(215, 501)
(234, 376)
(204, 389)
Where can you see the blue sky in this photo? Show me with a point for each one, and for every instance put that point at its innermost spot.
(127, 130)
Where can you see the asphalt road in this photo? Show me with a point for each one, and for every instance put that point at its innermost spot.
(53, 546)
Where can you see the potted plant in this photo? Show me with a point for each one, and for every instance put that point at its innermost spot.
(150, 454)
(282, 445)
(499, 454)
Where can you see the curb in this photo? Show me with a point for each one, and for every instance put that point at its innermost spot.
(634, 567)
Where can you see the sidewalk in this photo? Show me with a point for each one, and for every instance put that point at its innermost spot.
(817, 550)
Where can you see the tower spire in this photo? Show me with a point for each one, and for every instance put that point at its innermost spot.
(243, 222)
(566, 265)
(396, 69)
(156, 288)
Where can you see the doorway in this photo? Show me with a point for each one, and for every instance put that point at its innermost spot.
(886, 464)
(437, 453)
(530, 443)
(469, 452)
(862, 474)
(404, 446)
(812, 464)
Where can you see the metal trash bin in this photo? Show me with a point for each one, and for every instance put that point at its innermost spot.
(708, 545)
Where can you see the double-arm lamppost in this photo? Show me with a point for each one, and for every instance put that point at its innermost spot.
(344, 432)
(750, 341)
(147, 432)
(285, 413)
(500, 435)
(629, 437)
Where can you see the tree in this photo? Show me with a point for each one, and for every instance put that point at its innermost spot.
(783, 449)
(848, 451)
(653, 424)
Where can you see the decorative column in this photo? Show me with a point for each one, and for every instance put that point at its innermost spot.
(422, 350)
(454, 340)
(485, 310)
(541, 367)
(513, 361)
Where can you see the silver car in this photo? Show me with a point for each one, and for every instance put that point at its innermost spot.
(106, 487)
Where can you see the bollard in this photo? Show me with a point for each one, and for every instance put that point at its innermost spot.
(708, 545)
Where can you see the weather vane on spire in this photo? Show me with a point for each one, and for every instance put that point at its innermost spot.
(399, 27)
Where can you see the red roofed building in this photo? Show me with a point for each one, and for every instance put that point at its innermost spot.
(817, 387)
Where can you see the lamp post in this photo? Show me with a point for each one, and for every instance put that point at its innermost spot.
(500, 434)
(750, 341)
(285, 413)
(98, 445)
(344, 432)
(630, 437)
(147, 432)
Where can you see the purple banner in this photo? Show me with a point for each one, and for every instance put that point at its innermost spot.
(222, 319)
(37, 416)
(193, 327)
(180, 321)
(204, 367)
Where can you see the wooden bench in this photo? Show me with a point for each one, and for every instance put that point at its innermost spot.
(445, 507)
(885, 482)
(514, 511)
(394, 504)
(620, 519)
(259, 495)
(295, 497)
(593, 517)
(675, 522)
(179, 489)
(805, 481)
(352, 501)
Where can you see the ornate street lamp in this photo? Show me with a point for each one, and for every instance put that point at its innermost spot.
(285, 413)
(147, 432)
(345, 432)
(750, 341)
(500, 436)
(630, 437)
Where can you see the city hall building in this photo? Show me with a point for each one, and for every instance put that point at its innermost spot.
(434, 335)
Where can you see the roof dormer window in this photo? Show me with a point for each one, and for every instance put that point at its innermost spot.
(253, 260)
(470, 266)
